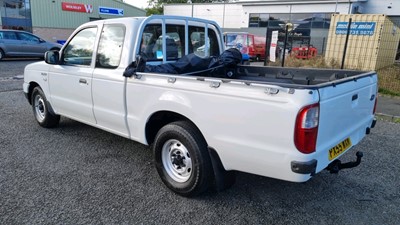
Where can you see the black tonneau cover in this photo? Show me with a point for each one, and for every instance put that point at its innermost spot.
(191, 65)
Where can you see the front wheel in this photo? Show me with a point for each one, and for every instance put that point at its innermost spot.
(182, 160)
(40, 107)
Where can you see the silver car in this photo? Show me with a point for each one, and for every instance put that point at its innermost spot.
(15, 43)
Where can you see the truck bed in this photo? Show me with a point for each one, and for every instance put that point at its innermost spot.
(297, 77)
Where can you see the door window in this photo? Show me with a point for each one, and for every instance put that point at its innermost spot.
(110, 46)
(9, 35)
(27, 37)
(79, 51)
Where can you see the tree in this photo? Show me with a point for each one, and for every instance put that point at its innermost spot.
(156, 6)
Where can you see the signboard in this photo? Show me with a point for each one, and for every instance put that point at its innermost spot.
(356, 28)
(76, 7)
(111, 11)
(274, 43)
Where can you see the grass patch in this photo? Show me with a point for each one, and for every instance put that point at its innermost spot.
(388, 92)
(389, 80)
(315, 62)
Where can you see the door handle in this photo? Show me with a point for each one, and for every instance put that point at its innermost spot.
(83, 81)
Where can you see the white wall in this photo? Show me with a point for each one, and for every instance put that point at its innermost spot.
(388, 7)
(226, 15)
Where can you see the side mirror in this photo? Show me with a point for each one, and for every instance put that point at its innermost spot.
(52, 57)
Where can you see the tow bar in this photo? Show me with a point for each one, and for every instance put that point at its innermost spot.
(337, 165)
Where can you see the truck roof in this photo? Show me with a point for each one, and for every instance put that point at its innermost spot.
(130, 20)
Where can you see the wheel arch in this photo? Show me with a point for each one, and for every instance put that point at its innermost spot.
(3, 53)
(32, 86)
(161, 118)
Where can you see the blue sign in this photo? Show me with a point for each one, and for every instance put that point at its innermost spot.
(111, 11)
(356, 28)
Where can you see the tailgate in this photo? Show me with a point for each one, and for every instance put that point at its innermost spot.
(346, 111)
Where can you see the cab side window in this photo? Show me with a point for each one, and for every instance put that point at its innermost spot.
(79, 51)
(110, 46)
(197, 42)
(152, 42)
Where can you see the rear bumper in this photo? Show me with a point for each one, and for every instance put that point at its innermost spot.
(304, 167)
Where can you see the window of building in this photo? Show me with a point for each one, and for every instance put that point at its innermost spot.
(110, 46)
(300, 21)
(16, 14)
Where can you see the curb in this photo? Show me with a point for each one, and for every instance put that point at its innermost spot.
(389, 118)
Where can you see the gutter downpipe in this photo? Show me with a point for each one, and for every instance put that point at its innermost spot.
(336, 6)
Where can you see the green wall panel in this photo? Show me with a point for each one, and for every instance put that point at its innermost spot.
(49, 13)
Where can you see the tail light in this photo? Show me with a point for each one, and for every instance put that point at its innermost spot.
(376, 101)
(306, 129)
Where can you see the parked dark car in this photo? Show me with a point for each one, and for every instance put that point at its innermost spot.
(15, 43)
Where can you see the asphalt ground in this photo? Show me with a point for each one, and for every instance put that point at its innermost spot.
(76, 174)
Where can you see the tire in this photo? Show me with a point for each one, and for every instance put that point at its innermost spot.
(182, 159)
(41, 107)
(2, 55)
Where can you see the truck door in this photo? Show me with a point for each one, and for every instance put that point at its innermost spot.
(70, 83)
(108, 82)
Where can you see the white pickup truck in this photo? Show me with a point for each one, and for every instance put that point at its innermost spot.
(284, 123)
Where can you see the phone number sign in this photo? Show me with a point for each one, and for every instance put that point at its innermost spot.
(356, 28)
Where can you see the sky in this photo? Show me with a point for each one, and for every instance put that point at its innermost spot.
(138, 3)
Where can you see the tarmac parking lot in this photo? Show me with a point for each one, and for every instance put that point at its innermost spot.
(76, 174)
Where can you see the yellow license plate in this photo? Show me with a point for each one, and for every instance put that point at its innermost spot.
(339, 148)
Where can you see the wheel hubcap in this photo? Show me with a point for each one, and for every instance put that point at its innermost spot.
(40, 108)
(176, 160)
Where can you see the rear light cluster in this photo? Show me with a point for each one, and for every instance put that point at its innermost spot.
(306, 129)
(376, 101)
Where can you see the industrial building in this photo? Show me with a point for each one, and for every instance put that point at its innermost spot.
(311, 19)
(256, 14)
(55, 20)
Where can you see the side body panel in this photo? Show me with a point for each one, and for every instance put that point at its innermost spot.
(251, 130)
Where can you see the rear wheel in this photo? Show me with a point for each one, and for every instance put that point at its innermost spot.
(182, 160)
(41, 107)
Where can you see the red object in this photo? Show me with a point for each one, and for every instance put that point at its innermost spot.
(257, 50)
(250, 44)
(76, 7)
(306, 129)
(304, 52)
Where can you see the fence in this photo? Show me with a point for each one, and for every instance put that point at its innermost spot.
(360, 42)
